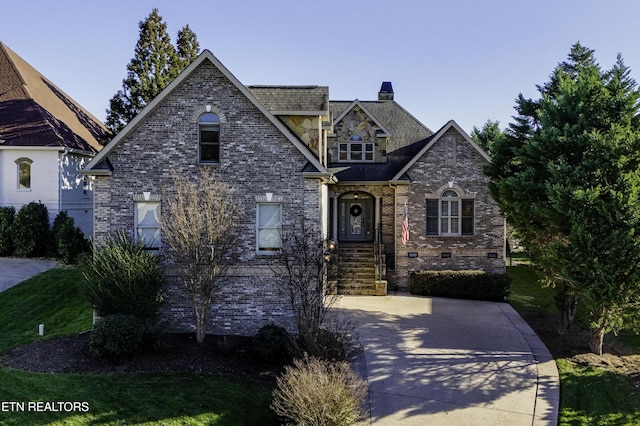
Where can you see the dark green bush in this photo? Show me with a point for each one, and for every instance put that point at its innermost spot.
(124, 278)
(116, 336)
(271, 344)
(69, 239)
(473, 285)
(31, 233)
(7, 216)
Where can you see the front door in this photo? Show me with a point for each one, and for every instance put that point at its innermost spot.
(355, 222)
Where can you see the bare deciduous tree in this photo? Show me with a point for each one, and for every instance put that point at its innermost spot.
(307, 272)
(200, 229)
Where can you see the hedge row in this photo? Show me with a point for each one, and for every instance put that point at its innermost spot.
(473, 285)
(26, 233)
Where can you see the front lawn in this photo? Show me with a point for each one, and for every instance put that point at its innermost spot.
(589, 395)
(53, 299)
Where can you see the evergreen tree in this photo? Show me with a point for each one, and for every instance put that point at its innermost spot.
(155, 64)
(567, 176)
(188, 47)
(487, 136)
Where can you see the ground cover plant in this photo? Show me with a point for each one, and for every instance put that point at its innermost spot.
(593, 389)
(169, 398)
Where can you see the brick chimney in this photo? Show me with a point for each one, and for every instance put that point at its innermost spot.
(386, 91)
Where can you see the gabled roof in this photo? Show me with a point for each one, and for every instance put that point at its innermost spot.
(293, 100)
(402, 126)
(36, 113)
(383, 130)
(429, 142)
(94, 165)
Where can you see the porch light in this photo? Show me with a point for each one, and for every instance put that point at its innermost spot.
(355, 195)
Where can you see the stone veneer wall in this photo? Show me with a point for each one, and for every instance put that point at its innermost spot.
(451, 159)
(256, 158)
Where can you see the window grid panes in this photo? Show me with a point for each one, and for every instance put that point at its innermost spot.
(148, 224)
(269, 224)
(209, 138)
(449, 215)
(355, 152)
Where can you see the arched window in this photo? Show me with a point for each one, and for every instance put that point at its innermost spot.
(24, 173)
(450, 215)
(209, 138)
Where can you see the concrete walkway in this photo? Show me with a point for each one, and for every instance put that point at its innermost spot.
(14, 270)
(437, 361)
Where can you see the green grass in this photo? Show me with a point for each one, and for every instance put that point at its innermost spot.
(528, 294)
(588, 395)
(53, 298)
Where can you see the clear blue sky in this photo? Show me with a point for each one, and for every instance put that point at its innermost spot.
(448, 59)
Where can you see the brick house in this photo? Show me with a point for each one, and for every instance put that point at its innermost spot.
(46, 138)
(351, 167)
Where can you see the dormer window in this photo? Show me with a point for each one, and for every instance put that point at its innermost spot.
(209, 138)
(356, 150)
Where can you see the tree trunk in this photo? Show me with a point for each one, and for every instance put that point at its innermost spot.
(595, 345)
(201, 326)
(567, 313)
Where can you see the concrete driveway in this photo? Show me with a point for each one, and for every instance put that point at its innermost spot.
(15, 270)
(440, 361)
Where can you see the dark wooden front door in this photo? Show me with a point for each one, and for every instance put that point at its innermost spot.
(355, 217)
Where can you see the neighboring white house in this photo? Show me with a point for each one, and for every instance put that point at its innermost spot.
(46, 138)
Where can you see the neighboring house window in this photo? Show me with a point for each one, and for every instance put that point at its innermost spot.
(269, 224)
(148, 223)
(209, 138)
(24, 173)
(355, 150)
(450, 215)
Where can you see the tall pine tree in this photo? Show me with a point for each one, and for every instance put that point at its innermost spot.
(155, 64)
(567, 176)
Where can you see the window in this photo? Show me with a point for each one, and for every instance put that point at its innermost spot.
(209, 138)
(450, 215)
(24, 173)
(269, 224)
(148, 223)
(355, 150)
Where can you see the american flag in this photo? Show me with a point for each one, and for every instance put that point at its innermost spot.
(405, 226)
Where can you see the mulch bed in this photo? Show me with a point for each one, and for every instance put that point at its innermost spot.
(179, 353)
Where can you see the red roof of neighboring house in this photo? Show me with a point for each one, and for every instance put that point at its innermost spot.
(34, 112)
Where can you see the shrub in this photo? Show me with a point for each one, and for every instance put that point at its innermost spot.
(69, 239)
(31, 233)
(7, 216)
(316, 392)
(116, 336)
(124, 278)
(473, 285)
(271, 343)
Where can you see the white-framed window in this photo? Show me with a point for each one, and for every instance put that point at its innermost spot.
(269, 227)
(147, 220)
(24, 173)
(450, 215)
(209, 138)
(356, 150)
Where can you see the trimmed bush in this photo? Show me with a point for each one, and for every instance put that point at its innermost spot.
(316, 392)
(69, 239)
(271, 344)
(31, 233)
(7, 216)
(116, 336)
(472, 285)
(124, 278)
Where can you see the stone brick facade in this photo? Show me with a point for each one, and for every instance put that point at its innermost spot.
(255, 159)
(292, 153)
(451, 163)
